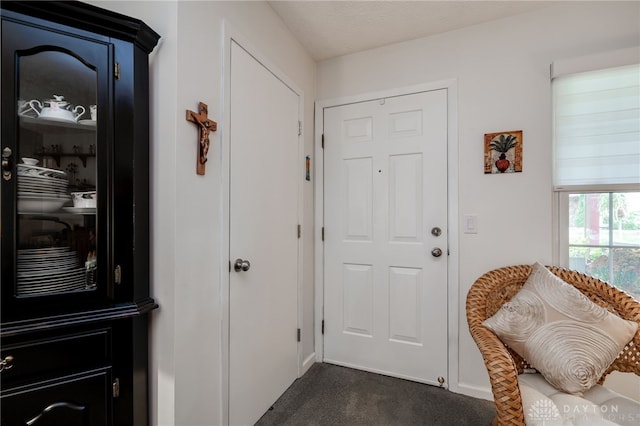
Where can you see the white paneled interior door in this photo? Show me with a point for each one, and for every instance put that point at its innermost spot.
(385, 200)
(263, 218)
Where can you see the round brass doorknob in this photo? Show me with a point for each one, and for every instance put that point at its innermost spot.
(241, 265)
(436, 252)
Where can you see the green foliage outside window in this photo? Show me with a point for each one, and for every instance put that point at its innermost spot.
(604, 237)
(626, 269)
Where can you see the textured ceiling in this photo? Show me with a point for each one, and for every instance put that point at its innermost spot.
(333, 28)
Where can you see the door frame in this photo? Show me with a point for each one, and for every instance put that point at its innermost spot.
(229, 35)
(451, 86)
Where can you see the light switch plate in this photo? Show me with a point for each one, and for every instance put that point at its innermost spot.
(470, 224)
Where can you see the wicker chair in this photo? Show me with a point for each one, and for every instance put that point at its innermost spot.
(496, 287)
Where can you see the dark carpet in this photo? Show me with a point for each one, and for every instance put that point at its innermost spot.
(332, 395)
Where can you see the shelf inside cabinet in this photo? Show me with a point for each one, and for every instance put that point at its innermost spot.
(49, 125)
(57, 155)
(54, 216)
(56, 126)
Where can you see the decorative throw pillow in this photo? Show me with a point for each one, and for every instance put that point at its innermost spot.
(570, 340)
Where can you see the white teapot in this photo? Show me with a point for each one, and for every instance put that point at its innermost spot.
(57, 108)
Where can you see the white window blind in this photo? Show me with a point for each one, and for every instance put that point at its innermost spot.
(596, 129)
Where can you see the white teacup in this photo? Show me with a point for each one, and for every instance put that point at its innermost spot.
(86, 199)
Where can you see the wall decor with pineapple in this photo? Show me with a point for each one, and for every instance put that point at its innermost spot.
(503, 152)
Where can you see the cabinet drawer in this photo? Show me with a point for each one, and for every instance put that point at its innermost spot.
(77, 400)
(55, 356)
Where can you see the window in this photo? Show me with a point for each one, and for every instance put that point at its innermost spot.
(604, 236)
(596, 140)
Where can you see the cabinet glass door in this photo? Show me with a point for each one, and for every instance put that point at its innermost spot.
(57, 181)
(56, 175)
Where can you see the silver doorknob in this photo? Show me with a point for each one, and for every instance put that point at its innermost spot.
(241, 265)
(436, 252)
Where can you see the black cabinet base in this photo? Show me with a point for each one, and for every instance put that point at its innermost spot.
(88, 374)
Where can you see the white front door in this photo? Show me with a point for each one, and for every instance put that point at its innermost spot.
(385, 219)
(263, 216)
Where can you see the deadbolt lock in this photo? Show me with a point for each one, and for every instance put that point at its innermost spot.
(241, 265)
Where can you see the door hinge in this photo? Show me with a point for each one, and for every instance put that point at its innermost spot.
(116, 70)
(116, 388)
(299, 128)
(322, 141)
(117, 275)
(323, 233)
(322, 326)
(299, 231)
(298, 335)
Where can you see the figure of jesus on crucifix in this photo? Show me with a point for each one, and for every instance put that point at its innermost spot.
(205, 125)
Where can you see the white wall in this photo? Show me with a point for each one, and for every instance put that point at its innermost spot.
(163, 74)
(502, 72)
(186, 380)
(502, 69)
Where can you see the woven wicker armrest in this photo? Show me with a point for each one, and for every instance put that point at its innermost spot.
(503, 375)
(500, 364)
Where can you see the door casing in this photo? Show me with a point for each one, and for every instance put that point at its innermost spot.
(230, 33)
(452, 195)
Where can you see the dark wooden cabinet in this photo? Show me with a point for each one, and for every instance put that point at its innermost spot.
(74, 209)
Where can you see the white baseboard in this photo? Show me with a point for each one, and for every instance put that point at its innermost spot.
(307, 363)
(474, 391)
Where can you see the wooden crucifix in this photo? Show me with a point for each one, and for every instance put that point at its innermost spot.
(205, 125)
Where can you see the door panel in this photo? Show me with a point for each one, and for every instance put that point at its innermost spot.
(263, 230)
(385, 189)
(405, 192)
(404, 307)
(358, 199)
(358, 299)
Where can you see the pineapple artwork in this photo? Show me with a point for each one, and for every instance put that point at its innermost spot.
(503, 152)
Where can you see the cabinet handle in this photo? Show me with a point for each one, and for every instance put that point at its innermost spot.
(55, 406)
(6, 163)
(6, 363)
(117, 275)
(90, 268)
(115, 387)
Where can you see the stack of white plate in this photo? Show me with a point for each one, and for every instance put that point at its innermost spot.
(49, 270)
(41, 190)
